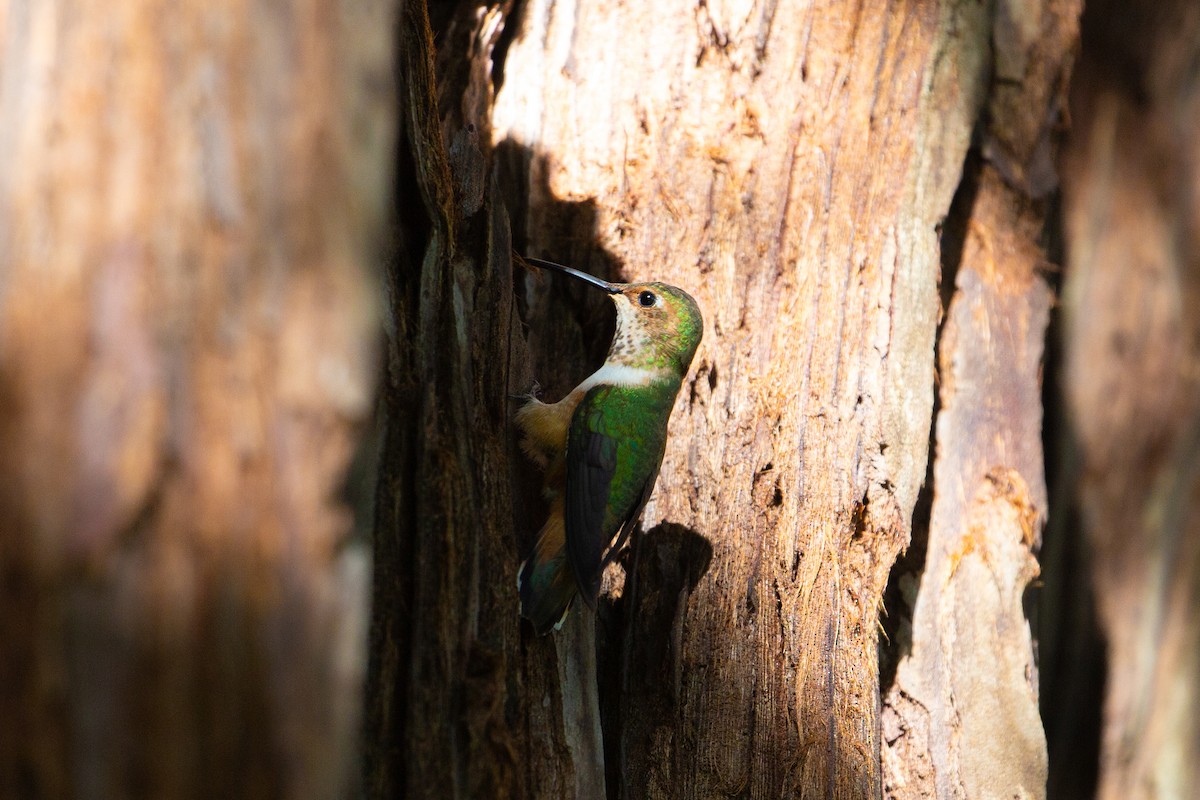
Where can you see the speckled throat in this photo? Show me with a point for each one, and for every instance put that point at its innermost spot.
(632, 342)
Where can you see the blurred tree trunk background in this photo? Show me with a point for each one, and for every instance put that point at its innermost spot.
(1131, 379)
(191, 206)
(840, 588)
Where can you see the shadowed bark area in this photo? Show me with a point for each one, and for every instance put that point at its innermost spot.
(446, 690)
(1132, 342)
(190, 200)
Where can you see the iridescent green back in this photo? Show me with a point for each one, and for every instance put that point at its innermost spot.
(616, 443)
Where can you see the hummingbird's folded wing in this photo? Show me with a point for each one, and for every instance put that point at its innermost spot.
(589, 479)
(614, 449)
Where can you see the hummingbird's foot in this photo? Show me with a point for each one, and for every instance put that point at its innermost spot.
(535, 392)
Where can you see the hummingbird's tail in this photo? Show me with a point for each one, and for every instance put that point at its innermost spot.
(545, 581)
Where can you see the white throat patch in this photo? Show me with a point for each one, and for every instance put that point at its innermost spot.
(620, 375)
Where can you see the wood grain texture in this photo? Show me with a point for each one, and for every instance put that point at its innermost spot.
(447, 690)
(791, 165)
(190, 201)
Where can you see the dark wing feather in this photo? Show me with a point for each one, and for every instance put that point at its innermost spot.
(606, 443)
(590, 471)
(628, 525)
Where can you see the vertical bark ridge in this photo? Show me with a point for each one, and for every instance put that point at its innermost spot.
(961, 719)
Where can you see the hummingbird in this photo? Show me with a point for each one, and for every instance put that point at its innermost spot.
(601, 446)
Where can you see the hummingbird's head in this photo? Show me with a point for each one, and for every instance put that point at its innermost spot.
(658, 325)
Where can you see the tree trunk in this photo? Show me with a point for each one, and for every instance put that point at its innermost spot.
(790, 166)
(747, 169)
(1132, 333)
(962, 717)
(189, 202)
(188, 206)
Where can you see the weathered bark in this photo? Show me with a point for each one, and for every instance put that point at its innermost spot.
(1132, 343)
(738, 172)
(790, 166)
(962, 715)
(189, 203)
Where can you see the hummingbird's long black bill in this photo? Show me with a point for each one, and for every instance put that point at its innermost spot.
(574, 273)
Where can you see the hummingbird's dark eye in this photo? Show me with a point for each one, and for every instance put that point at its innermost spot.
(647, 299)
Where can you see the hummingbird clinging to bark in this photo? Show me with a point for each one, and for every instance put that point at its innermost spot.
(602, 444)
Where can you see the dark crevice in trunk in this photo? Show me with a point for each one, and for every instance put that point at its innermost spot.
(1070, 646)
